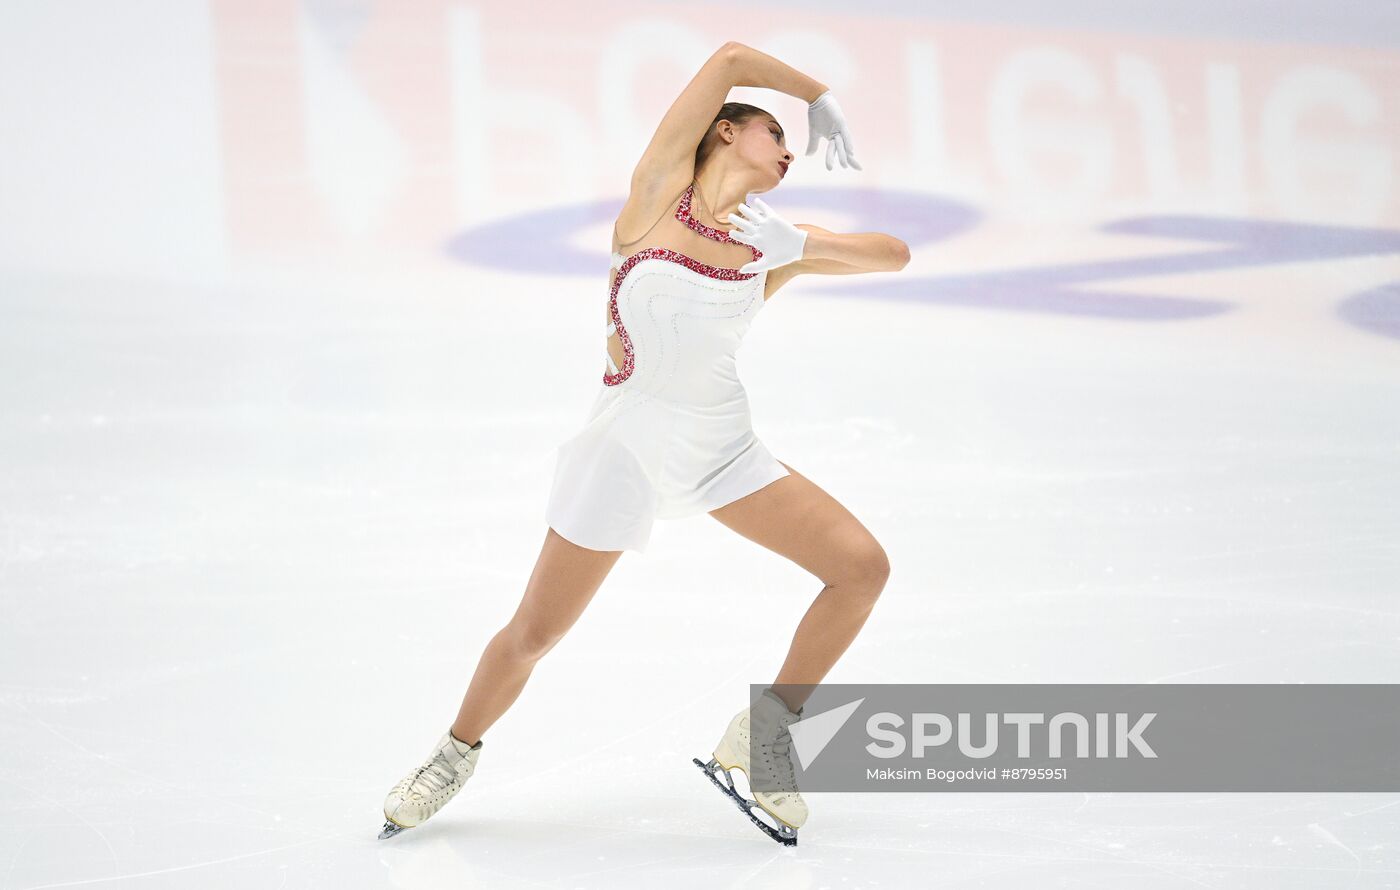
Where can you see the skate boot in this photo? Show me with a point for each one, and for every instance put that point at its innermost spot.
(424, 791)
(767, 723)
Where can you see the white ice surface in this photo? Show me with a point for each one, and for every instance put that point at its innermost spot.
(264, 499)
(254, 540)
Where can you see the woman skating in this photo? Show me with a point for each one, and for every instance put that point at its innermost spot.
(669, 434)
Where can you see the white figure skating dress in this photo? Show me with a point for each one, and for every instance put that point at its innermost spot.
(669, 434)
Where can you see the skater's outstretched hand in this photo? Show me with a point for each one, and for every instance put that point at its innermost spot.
(825, 121)
(778, 240)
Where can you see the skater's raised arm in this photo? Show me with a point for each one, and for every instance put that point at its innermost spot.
(757, 69)
(671, 153)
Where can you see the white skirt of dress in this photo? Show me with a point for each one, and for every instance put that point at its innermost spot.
(640, 458)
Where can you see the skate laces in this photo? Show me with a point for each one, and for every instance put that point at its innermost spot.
(780, 746)
(435, 775)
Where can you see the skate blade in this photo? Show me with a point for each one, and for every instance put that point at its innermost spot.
(778, 830)
(391, 828)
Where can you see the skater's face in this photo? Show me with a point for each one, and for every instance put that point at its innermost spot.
(760, 146)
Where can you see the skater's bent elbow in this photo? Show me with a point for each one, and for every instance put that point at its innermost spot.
(893, 256)
(901, 254)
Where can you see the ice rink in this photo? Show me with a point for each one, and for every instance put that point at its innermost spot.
(298, 299)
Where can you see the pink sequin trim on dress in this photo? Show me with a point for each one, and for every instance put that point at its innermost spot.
(629, 360)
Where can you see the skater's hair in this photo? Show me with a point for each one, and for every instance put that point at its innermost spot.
(738, 114)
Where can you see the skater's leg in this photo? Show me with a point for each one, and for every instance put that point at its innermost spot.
(797, 519)
(564, 579)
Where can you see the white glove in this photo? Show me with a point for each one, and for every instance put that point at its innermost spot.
(778, 240)
(824, 119)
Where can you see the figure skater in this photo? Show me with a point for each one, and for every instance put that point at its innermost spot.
(669, 434)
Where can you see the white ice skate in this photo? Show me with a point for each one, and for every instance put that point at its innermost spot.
(425, 790)
(767, 722)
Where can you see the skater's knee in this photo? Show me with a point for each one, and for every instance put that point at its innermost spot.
(864, 567)
(529, 641)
